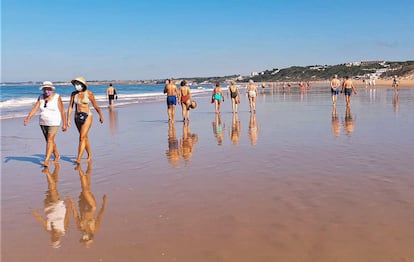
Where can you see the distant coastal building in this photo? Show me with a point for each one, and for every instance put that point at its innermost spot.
(252, 74)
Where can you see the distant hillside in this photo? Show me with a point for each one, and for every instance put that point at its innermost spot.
(361, 70)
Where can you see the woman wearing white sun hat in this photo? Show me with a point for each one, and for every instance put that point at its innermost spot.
(52, 113)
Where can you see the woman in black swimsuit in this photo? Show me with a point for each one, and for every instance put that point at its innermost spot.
(234, 95)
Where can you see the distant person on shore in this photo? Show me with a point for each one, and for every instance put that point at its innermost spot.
(185, 95)
(217, 97)
(56, 210)
(112, 94)
(172, 94)
(234, 96)
(349, 88)
(335, 85)
(252, 93)
(81, 99)
(395, 83)
(52, 112)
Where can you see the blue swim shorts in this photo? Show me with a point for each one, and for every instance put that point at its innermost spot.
(171, 100)
(334, 91)
(348, 91)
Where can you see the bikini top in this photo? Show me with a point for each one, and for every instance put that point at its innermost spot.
(85, 99)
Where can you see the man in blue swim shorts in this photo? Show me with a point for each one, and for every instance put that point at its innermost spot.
(172, 92)
(349, 88)
(335, 83)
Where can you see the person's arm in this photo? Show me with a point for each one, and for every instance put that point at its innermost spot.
(116, 94)
(96, 106)
(39, 218)
(101, 212)
(353, 88)
(32, 112)
(62, 113)
(70, 107)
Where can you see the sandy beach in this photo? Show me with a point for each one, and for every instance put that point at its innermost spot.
(294, 182)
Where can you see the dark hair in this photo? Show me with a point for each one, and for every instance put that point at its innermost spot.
(217, 84)
(183, 83)
(110, 84)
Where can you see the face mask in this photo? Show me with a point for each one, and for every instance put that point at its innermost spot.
(79, 87)
(47, 93)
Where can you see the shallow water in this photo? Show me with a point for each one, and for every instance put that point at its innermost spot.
(294, 182)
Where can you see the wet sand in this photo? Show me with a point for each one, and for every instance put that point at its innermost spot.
(294, 182)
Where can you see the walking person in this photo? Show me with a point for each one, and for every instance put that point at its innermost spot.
(172, 94)
(52, 112)
(185, 96)
(81, 99)
(217, 97)
(395, 84)
(348, 87)
(335, 84)
(252, 93)
(234, 95)
(112, 94)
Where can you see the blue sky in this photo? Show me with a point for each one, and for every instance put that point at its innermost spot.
(136, 40)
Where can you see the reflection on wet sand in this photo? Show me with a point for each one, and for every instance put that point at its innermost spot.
(253, 129)
(173, 152)
(349, 122)
(218, 128)
(113, 120)
(336, 127)
(56, 219)
(395, 102)
(86, 222)
(235, 129)
(183, 149)
(187, 142)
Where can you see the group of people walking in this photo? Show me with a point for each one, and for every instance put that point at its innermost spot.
(52, 116)
(183, 96)
(347, 87)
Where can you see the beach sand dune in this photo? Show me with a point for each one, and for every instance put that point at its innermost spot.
(294, 182)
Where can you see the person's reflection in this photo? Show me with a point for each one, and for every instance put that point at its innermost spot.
(113, 120)
(395, 102)
(218, 127)
(253, 129)
(187, 142)
(235, 129)
(173, 152)
(85, 219)
(56, 219)
(336, 127)
(349, 123)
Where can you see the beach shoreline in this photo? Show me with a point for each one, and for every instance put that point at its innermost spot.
(293, 182)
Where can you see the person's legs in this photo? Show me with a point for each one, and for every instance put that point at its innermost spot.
(83, 139)
(50, 144)
(173, 113)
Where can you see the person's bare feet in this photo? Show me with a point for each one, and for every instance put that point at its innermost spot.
(57, 158)
(45, 163)
(77, 161)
